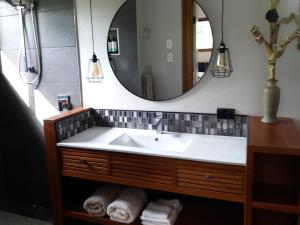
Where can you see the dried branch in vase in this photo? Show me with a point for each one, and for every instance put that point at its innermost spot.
(275, 47)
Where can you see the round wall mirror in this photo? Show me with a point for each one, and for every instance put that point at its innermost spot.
(159, 50)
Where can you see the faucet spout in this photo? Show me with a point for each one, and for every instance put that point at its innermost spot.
(158, 123)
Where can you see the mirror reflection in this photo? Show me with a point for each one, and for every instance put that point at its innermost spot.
(159, 50)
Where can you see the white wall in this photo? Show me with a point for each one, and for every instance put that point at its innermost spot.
(243, 90)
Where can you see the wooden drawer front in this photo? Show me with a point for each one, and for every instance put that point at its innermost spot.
(142, 168)
(210, 177)
(84, 161)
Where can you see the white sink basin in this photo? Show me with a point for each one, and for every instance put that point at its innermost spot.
(158, 142)
(206, 148)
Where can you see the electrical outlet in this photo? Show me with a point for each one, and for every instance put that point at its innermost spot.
(64, 102)
(228, 114)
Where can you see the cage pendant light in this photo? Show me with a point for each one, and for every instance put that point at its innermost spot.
(222, 66)
(95, 72)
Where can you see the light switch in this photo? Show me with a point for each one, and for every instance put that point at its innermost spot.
(170, 57)
(169, 44)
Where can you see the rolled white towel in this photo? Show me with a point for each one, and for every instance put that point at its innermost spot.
(127, 206)
(97, 203)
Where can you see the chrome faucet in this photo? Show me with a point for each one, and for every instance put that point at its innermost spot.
(158, 123)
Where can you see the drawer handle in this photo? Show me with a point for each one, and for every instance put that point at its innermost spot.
(207, 177)
(84, 162)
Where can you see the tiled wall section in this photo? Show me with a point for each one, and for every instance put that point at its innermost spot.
(69, 127)
(174, 122)
(23, 133)
(56, 29)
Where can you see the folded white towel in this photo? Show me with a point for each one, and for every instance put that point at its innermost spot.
(162, 212)
(161, 209)
(127, 206)
(97, 203)
(157, 211)
(170, 221)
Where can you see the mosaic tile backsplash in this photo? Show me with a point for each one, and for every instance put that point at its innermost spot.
(196, 123)
(73, 125)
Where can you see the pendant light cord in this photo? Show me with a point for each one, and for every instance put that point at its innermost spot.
(91, 12)
(222, 29)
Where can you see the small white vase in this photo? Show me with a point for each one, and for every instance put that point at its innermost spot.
(271, 97)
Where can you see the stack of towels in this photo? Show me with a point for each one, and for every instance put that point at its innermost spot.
(121, 205)
(161, 212)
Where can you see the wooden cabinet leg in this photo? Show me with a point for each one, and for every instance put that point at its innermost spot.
(249, 189)
(53, 161)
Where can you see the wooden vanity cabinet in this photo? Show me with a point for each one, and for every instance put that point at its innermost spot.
(195, 183)
(216, 181)
(265, 192)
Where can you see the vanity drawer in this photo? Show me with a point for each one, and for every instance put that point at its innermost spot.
(84, 161)
(206, 177)
(138, 168)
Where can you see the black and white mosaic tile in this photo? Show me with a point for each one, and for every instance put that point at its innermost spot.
(71, 126)
(195, 123)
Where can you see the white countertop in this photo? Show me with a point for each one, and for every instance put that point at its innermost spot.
(196, 147)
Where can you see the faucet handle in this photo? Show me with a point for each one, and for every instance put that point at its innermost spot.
(158, 115)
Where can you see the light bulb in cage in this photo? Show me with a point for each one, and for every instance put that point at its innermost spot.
(95, 73)
(222, 66)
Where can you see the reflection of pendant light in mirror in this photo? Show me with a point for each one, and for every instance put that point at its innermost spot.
(95, 73)
(222, 66)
